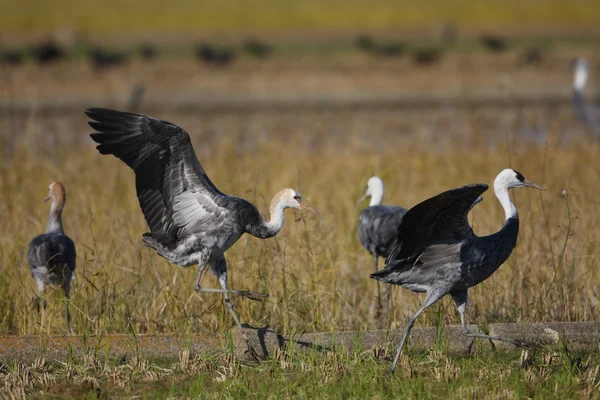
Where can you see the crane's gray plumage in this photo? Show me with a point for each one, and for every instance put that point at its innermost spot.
(52, 255)
(190, 220)
(436, 251)
(588, 113)
(378, 227)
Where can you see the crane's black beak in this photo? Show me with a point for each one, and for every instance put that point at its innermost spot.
(530, 184)
(307, 208)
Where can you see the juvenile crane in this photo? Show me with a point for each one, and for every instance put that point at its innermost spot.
(191, 222)
(588, 113)
(436, 251)
(52, 254)
(378, 228)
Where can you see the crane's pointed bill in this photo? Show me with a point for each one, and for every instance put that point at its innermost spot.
(363, 198)
(530, 184)
(47, 198)
(307, 208)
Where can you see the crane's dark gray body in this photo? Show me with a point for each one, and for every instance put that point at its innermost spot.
(437, 252)
(52, 259)
(190, 220)
(378, 228)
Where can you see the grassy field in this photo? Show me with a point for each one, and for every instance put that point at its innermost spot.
(154, 16)
(336, 375)
(315, 272)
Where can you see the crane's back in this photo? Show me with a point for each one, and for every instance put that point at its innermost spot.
(52, 258)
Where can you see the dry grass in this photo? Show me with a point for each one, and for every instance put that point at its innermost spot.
(315, 271)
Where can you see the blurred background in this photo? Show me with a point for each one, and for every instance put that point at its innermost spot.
(315, 95)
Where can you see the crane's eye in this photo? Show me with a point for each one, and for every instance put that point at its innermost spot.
(297, 198)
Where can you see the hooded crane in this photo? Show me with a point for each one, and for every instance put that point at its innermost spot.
(436, 251)
(378, 228)
(586, 112)
(191, 222)
(52, 254)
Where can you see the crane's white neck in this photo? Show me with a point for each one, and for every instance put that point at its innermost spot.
(581, 76)
(275, 223)
(54, 224)
(510, 211)
(376, 191)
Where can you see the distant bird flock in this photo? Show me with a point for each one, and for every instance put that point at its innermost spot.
(429, 248)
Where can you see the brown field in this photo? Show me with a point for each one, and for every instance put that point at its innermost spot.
(315, 271)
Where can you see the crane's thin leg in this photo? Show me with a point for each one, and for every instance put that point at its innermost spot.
(388, 293)
(67, 315)
(245, 293)
(460, 299)
(378, 286)
(42, 302)
(229, 304)
(433, 295)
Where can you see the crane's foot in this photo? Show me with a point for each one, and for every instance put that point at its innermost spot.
(250, 295)
(245, 293)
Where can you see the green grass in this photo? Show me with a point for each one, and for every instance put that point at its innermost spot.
(336, 375)
(154, 16)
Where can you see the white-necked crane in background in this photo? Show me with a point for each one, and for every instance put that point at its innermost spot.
(191, 222)
(588, 113)
(378, 228)
(436, 251)
(52, 254)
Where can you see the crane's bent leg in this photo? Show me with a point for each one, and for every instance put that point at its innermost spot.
(229, 304)
(378, 285)
(433, 295)
(245, 293)
(460, 299)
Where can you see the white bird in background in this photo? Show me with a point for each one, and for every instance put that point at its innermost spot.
(191, 222)
(436, 251)
(52, 254)
(588, 113)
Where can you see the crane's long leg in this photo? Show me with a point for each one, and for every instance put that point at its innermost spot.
(67, 315)
(388, 293)
(433, 295)
(375, 257)
(42, 302)
(460, 299)
(245, 293)
(223, 281)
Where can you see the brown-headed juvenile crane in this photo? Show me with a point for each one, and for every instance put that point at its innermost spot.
(52, 254)
(191, 222)
(436, 251)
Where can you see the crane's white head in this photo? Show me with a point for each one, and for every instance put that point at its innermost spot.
(509, 178)
(56, 192)
(581, 74)
(374, 190)
(289, 198)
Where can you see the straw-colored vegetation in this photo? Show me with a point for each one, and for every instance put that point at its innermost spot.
(315, 271)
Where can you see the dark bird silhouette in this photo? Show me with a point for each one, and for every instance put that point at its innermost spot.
(427, 55)
(494, 43)
(436, 251)
(103, 58)
(214, 56)
(148, 51)
(52, 254)
(47, 52)
(191, 222)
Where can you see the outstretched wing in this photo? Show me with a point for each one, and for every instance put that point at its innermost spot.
(174, 192)
(434, 228)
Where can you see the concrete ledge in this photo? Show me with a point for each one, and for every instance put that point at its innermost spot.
(574, 335)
